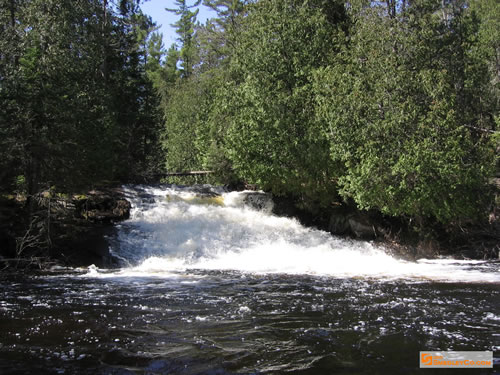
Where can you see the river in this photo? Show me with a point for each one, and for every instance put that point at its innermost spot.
(217, 284)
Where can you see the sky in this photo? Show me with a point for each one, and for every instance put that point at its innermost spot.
(156, 9)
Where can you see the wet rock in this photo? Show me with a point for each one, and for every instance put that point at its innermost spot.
(71, 229)
(253, 187)
(82, 243)
(103, 207)
(427, 248)
(80, 235)
(205, 191)
(284, 206)
(339, 222)
(259, 200)
(362, 227)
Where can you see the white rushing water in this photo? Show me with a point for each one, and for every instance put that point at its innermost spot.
(173, 230)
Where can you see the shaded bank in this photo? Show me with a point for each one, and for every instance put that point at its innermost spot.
(402, 236)
(71, 230)
(76, 230)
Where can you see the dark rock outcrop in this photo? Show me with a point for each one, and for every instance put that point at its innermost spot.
(350, 221)
(339, 222)
(73, 230)
(106, 206)
(284, 206)
(84, 226)
(82, 243)
(259, 200)
(362, 226)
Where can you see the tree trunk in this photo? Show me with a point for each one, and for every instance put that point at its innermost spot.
(104, 66)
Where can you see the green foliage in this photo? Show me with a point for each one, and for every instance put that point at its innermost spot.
(222, 30)
(185, 30)
(181, 128)
(401, 106)
(273, 138)
(391, 104)
(488, 13)
(135, 102)
(76, 105)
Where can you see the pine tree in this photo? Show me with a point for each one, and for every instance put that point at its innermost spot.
(185, 30)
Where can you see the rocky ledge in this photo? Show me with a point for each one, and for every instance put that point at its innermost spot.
(399, 236)
(102, 206)
(72, 230)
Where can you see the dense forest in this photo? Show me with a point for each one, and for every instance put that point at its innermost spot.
(387, 105)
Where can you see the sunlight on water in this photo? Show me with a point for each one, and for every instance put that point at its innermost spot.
(214, 283)
(175, 229)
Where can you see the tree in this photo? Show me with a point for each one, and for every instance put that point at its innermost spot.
(10, 51)
(488, 49)
(55, 70)
(135, 103)
(273, 138)
(221, 31)
(185, 30)
(400, 107)
(72, 110)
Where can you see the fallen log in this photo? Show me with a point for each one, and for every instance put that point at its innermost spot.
(189, 173)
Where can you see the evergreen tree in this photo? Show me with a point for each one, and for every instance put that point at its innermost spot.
(10, 50)
(185, 30)
(273, 138)
(135, 102)
(221, 31)
(401, 106)
(53, 72)
(72, 112)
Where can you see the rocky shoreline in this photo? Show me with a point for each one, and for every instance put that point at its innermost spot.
(75, 230)
(400, 236)
(67, 230)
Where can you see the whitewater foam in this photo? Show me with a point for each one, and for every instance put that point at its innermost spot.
(177, 229)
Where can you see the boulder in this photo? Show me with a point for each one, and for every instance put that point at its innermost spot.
(339, 222)
(84, 225)
(285, 206)
(103, 207)
(82, 243)
(362, 227)
(259, 200)
(205, 191)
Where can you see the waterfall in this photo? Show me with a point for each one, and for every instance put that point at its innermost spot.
(180, 229)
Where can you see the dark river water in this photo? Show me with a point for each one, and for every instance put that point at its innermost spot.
(212, 286)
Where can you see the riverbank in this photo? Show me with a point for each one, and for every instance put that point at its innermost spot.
(75, 230)
(402, 237)
(69, 230)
